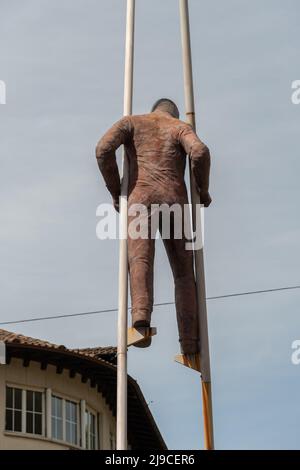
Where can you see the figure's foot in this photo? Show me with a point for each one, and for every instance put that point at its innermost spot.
(140, 318)
(141, 324)
(144, 344)
(189, 346)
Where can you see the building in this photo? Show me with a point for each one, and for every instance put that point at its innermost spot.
(52, 397)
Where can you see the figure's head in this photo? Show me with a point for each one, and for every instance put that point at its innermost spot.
(166, 105)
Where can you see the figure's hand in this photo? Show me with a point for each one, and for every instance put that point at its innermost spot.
(205, 198)
(116, 203)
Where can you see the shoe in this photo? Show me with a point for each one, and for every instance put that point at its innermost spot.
(140, 318)
(141, 324)
(144, 344)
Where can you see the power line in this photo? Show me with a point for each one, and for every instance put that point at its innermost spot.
(253, 292)
(95, 312)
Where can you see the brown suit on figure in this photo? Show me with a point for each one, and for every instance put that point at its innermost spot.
(156, 145)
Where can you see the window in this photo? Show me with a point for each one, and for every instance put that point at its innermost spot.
(24, 411)
(34, 412)
(71, 422)
(90, 430)
(64, 420)
(13, 421)
(57, 418)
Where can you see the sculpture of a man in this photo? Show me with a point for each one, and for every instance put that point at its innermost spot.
(156, 145)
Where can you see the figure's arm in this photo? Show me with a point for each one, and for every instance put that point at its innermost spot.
(200, 161)
(106, 156)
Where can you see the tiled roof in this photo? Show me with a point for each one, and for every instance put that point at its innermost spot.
(9, 337)
(107, 353)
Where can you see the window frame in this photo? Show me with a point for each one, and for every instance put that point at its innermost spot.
(24, 389)
(47, 412)
(34, 412)
(90, 411)
(76, 402)
(77, 423)
(13, 409)
(55, 396)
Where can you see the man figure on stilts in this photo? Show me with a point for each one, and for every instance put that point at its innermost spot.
(156, 145)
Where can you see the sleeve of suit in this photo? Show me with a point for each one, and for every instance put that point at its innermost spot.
(199, 155)
(106, 154)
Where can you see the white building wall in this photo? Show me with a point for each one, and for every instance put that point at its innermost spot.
(32, 377)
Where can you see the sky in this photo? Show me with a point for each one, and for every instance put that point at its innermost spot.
(63, 65)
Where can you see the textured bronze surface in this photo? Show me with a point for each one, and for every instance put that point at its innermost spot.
(156, 145)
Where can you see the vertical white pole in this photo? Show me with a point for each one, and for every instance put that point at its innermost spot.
(123, 258)
(198, 254)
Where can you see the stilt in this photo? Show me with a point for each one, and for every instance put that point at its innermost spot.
(123, 256)
(198, 254)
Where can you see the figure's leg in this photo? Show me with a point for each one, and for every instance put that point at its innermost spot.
(181, 261)
(141, 259)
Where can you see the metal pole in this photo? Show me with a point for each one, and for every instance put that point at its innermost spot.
(123, 257)
(198, 254)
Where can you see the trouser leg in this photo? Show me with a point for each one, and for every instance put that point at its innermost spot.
(181, 261)
(141, 259)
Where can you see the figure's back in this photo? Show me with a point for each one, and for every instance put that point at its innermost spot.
(157, 160)
(157, 145)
